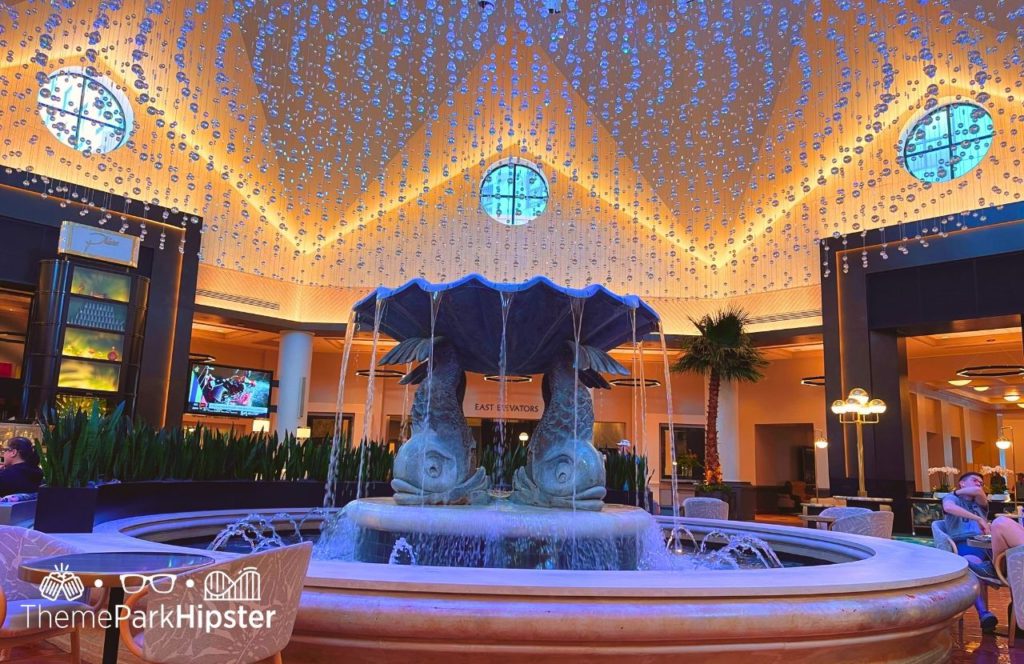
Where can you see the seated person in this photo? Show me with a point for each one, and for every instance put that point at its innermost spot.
(21, 473)
(966, 510)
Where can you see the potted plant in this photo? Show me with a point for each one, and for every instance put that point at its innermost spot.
(946, 475)
(627, 479)
(101, 467)
(76, 451)
(722, 351)
(997, 481)
(686, 463)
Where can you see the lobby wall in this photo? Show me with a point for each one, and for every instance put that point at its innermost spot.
(779, 399)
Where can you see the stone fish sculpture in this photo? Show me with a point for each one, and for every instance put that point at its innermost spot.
(434, 466)
(563, 469)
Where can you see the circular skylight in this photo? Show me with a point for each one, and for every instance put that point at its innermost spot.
(85, 112)
(947, 142)
(514, 192)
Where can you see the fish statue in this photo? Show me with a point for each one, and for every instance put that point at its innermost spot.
(434, 467)
(563, 469)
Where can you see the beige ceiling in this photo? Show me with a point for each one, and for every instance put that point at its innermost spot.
(935, 359)
(309, 201)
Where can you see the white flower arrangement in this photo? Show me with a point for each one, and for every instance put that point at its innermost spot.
(998, 470)
(946, 473)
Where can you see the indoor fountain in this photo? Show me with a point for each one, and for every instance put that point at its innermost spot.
(453, 569)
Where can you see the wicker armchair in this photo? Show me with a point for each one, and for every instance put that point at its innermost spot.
(279, 574)
(17, 597)
(1015, 579)
(873, 524)
(705, 508)
(940, 540)
(840, 512)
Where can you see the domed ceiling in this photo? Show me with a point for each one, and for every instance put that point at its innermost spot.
(692, 151)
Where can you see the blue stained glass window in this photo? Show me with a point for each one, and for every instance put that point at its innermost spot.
(514, 192)
(948, 142)
(85, 112)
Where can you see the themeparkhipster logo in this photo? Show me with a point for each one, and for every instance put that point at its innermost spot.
(219, 589)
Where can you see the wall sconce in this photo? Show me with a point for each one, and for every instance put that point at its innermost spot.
(302, 433)
(819, 439)
(260, 426)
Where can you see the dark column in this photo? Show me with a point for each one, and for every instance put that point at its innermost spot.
(30, 225)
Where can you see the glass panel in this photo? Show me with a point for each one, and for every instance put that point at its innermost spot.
(63, 125)
(948, 142)
(607, 435)
(970, 122)
(100, 105)
(108, 316)
(63, 92)
(84, 375)
(530, 184)
(930, 132)
(930, 166)
(689, 442)
(104, 285)
(98, 137)
(969, 154)
(93, 345)
(322, 427)
(73, 403)
(14, 309)
(513, 194)
(114, 562)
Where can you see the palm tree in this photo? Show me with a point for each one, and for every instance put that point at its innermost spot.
(722, 351)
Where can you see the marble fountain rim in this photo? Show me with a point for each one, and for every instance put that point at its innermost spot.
(886, 565)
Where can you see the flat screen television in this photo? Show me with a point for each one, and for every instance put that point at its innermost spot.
(214, 389)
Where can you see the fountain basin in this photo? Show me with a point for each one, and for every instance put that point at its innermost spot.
(501, 535)
(879, 601)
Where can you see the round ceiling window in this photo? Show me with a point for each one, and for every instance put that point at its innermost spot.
(85, 112)
(947, 142)
(514, 192)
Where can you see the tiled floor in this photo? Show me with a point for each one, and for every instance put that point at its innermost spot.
(978, 648)
(37, 653)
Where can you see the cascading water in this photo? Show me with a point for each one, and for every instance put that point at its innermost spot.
(332, 467)
(259, 532)
(370, 394)
(576, 307)
(500, 489)
(435, 304)
(673, 543)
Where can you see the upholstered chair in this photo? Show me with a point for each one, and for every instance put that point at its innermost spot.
(275, 576)
(20, 597)
(705, 508)
(874, 524)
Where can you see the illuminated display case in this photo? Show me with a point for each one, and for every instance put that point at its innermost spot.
(86, 334)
